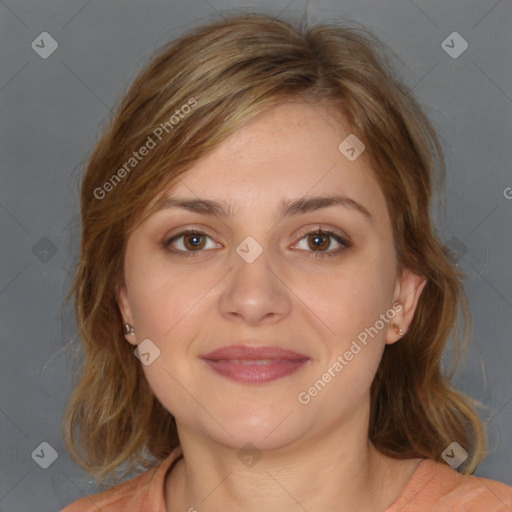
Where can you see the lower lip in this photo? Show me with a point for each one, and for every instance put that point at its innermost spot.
(255, 373)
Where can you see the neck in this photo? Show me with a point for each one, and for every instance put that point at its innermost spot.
(328, 472)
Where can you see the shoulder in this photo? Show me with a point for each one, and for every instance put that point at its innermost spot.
(143, 492)
(437, 487)
(122, 495)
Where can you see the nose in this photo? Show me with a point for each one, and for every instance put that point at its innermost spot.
(254, 291)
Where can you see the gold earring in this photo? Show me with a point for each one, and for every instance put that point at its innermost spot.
(397, 329)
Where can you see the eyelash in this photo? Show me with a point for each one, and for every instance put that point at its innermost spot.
(345, 244)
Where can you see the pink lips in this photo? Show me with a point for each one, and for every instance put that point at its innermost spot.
(243, 363)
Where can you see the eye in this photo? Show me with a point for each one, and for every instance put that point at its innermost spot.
(320, 240)
(193, 242)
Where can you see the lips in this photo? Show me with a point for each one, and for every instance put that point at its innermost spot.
(245, 352)
(247, 364)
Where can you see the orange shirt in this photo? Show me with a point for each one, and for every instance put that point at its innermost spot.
(434, 487)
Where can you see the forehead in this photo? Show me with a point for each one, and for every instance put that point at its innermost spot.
(289, 151)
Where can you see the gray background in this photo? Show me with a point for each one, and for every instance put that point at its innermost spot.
(52, 112)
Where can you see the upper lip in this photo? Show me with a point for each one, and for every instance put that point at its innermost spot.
(247, 352)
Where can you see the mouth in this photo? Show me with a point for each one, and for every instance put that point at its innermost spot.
(247, 364)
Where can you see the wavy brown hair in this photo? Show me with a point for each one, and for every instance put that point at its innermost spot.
(231, 70)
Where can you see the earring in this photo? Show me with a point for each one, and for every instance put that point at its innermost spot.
(397, 329)
(128, 329)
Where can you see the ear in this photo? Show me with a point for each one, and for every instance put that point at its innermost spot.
(408, 289)
(126, 313)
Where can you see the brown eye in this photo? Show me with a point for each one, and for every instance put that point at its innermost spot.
(188, 242)
(193, 241)
(319, 241)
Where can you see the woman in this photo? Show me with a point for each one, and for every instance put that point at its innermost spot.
(261, 294)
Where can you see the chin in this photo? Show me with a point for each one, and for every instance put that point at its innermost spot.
(254, 439)
(268, 430)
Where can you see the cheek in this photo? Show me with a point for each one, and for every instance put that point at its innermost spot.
(161, 296)
(353, 305)
(349, 299)
(169, 309)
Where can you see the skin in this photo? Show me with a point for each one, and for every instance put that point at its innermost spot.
(317, 456)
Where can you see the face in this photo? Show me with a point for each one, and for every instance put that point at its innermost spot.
(318, 281)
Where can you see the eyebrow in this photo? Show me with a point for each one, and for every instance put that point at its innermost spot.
(287, 208)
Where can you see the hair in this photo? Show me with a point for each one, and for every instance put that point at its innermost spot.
(199, 89)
